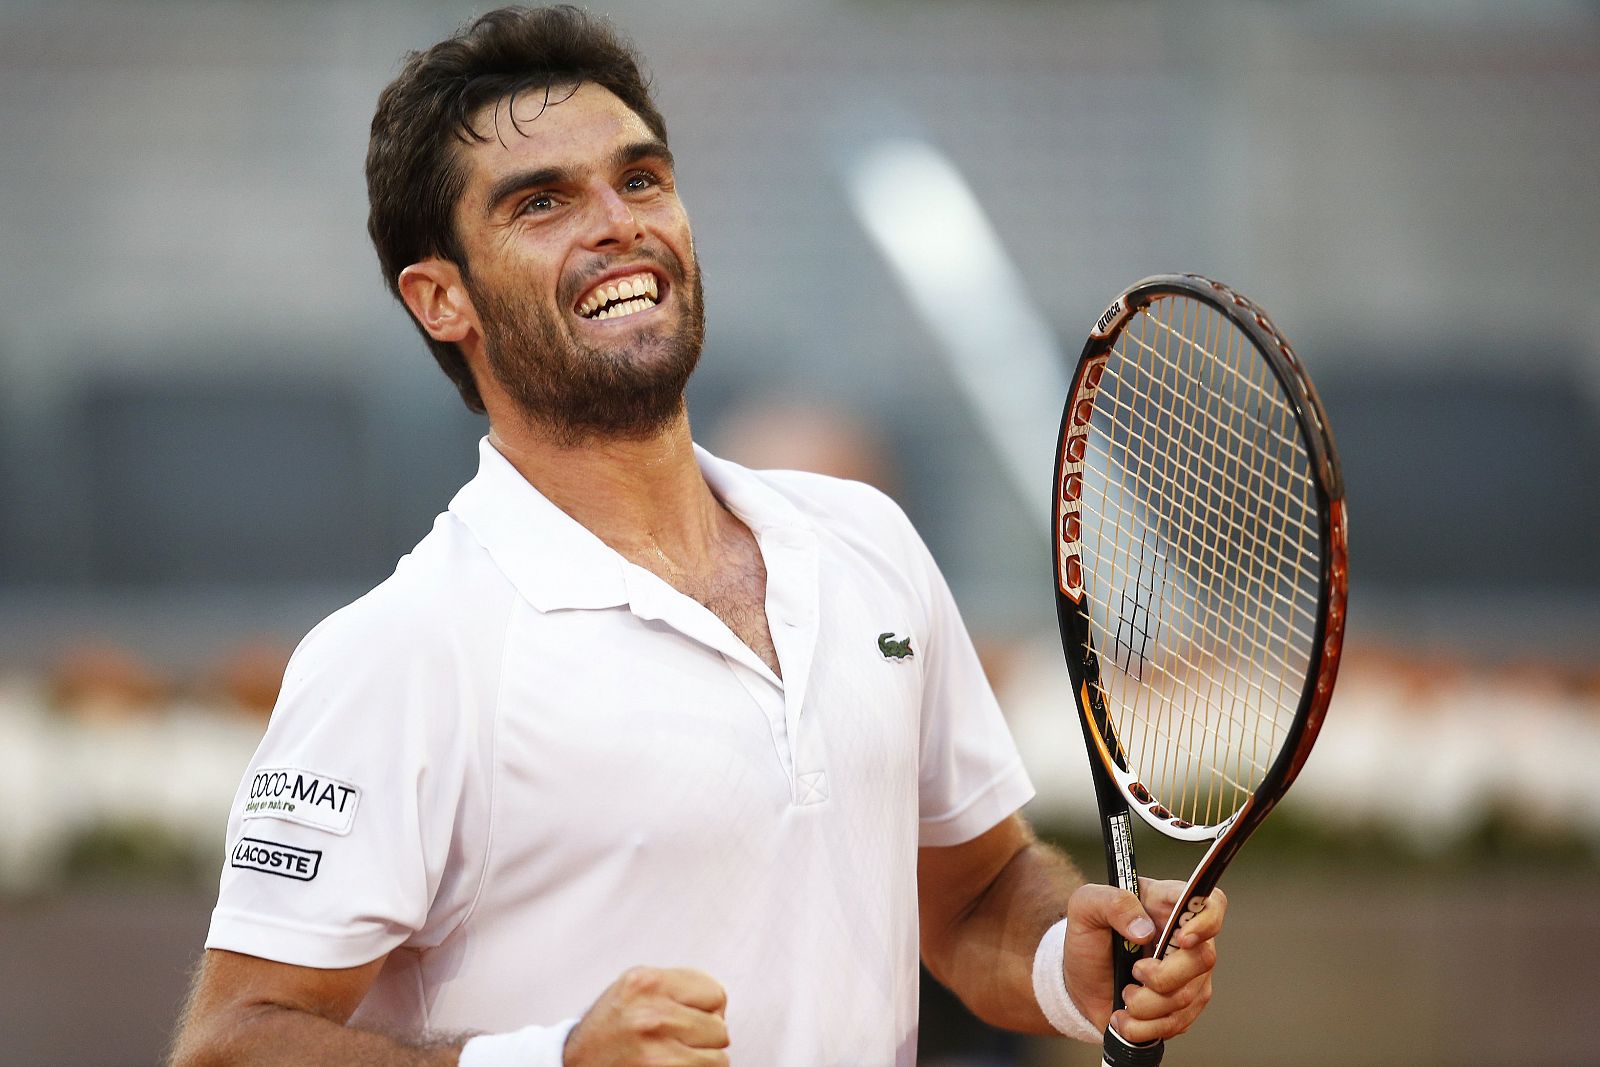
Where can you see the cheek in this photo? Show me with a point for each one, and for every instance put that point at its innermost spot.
(539, 281)
(683, 250)
(668, 221)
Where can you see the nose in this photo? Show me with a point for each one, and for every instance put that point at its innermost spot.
(612, 226)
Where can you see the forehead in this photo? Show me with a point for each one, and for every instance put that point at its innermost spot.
(571, 129)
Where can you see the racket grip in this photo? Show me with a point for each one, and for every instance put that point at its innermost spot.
(1117, 1052)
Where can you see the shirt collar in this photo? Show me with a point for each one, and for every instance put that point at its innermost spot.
(759, 506)
(549, 556)
(556, 563)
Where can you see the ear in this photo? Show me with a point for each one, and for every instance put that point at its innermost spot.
(433, 292)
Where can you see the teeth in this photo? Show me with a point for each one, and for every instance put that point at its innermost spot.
(636, 293)
(629, 308)
(638, 285)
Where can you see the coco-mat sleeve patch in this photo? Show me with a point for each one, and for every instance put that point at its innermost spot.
(315, 800)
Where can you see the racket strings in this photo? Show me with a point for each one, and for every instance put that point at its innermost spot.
(1274, 550)
(1186, 744)
(1200, 508)
(1189, 608)
(1246, 746)
(1206, 538)
(1279, 440)
(1248, 419)
(1197, 501)
(1199, 505)
(1129, 422)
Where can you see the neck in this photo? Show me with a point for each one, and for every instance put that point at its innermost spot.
(645, 497)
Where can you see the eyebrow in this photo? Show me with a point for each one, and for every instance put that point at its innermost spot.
(517, 181)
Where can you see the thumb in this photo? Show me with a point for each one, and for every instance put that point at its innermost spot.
(1095, 907)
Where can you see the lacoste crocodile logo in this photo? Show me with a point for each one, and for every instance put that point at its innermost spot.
(892, 649)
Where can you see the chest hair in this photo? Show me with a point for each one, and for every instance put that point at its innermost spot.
(736, 593)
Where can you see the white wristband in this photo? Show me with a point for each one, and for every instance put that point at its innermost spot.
(532, 1046)
(1050, 986)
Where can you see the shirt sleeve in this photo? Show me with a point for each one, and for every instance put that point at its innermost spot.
(970, 774)
(346, 822)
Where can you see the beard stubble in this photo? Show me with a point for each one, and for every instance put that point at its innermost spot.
(580, 392)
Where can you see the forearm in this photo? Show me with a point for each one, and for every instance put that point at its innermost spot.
(985, 953)
(275, 1036)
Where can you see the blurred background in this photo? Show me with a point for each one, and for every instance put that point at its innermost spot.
(215, 428)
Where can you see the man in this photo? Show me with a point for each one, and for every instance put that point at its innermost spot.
(640, 757)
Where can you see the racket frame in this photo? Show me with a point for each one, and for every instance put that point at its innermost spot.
(1117, 790)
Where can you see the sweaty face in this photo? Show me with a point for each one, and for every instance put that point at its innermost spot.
(581, 266)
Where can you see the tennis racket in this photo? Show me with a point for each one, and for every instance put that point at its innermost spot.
(1200, 573)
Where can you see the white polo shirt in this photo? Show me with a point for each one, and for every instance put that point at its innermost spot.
(522, 765)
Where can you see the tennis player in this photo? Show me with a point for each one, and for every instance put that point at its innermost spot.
(639, 757)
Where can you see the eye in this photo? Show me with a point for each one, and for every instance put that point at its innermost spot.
(639, 181)
(536, 203)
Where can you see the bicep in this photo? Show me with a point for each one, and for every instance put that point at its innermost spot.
(952, 879)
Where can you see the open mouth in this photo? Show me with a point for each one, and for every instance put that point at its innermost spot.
(619, 297)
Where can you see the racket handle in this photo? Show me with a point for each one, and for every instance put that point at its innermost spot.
(1117, 1052)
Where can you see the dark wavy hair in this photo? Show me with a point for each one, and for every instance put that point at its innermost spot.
(414, 171)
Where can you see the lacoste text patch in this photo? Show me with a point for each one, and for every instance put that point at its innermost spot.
(254, 854)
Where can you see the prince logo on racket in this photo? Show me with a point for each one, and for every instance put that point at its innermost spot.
(637, 785)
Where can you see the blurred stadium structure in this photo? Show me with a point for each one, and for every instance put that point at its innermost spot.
(215, 427)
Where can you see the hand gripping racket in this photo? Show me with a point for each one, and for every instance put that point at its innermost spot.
(1200, 573)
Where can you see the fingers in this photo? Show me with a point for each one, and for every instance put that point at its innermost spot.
(1150, 1015)
(1159, 897)
(1174, 990)
(1177, 969)
(667, 1016)
(1098, 907)
(1203, 924)
(656, 1009)
(1200, 920)
(695, 989)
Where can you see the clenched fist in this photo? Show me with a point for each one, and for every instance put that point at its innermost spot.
(661, 1017)
(1173, 990)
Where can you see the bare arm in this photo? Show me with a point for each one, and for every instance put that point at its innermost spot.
(986, 903)
(249, 1011)
(984, 906)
